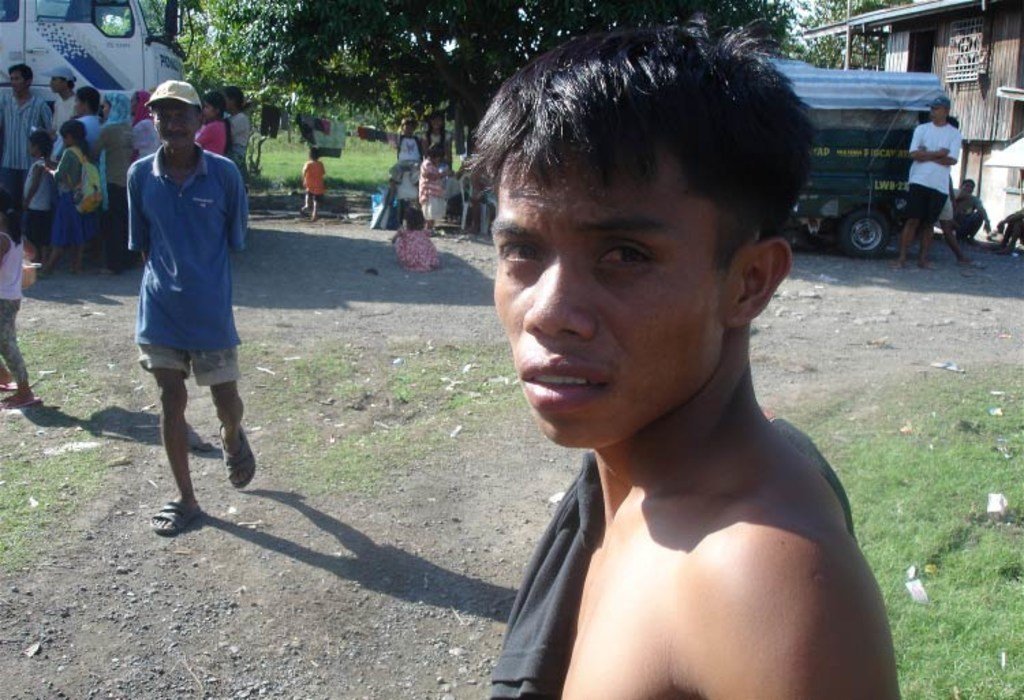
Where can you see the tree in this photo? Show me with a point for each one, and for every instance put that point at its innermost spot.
(398, 55)
(827, 52)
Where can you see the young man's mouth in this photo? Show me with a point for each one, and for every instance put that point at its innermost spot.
(556, 391)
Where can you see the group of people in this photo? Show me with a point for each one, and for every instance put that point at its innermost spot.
(48, 154)
(935, 148)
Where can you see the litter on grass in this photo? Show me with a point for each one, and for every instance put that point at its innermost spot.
(997, 504)
(947, 365)
(71, 447)
(916, 590)
(995, 411)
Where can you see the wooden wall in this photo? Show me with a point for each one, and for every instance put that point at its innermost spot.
(983, 116)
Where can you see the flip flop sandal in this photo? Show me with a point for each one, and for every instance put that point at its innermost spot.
(173, 519)
(241, 465)
(9, 386)
(12, 405)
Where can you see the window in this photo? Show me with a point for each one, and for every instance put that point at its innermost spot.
(154, 16)
(113, 18)
(967, 55)
(9, 10)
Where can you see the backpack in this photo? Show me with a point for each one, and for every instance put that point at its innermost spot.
(89, 193)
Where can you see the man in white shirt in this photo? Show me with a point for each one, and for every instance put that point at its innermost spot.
(62, 83)
(934, 147)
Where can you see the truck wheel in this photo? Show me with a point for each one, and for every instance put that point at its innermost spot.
(864, 233)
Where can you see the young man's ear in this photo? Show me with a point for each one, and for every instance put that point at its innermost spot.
(755, 273)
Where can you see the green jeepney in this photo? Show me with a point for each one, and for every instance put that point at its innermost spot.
(860, 160)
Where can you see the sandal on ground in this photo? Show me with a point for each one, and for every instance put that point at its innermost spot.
(242, 464)
(14, 403)
(9, 386)
(173, 519)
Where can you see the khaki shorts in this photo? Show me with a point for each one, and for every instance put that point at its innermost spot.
(211, 367)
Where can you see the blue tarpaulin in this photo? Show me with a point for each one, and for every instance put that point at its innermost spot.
(823, 88)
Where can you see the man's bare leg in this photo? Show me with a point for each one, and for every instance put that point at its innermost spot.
(926, 243)
(949, 235)
(906, 238)
(230, 410)
(174, 431)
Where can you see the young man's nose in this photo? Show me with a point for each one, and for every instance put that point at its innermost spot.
(560, 304)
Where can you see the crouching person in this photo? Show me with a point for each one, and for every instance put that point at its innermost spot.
(187, 209)
(703, 551)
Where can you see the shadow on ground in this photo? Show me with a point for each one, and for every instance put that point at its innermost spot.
(295, 269)
(380, 568)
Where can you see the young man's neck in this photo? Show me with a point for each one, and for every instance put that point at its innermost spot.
(677, 453)
(66, 93)
(940, 121)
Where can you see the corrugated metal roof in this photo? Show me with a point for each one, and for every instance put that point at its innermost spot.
(881, 18)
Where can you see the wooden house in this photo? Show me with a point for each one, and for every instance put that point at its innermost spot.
(976, 48)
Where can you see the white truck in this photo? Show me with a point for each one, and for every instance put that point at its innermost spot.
(119, 45)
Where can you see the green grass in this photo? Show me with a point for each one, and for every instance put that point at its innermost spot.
(919, 498)
(343, 419)
(58, 483)
(363, 165)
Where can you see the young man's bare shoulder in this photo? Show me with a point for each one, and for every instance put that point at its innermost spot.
(781, 608)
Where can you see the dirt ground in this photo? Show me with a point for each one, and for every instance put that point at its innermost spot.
(401, 594)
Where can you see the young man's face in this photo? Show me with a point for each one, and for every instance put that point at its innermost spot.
(611, 300)
(176, 123)
(19, 85)
(939, 114)
(58, 85)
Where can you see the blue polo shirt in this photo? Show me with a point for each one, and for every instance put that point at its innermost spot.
(186, 232)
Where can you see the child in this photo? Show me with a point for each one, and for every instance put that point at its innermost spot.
(432, 177)
(313, 180)
(413, 247)
(70, 228)
(13, 375)
(38, 196)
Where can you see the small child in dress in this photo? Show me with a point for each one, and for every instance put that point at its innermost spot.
(433, 172)
(413, 247)
(313, 180)
(13, 374)
(37, 202)
(71, 229)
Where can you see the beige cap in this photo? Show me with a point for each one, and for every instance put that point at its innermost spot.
(177, 90)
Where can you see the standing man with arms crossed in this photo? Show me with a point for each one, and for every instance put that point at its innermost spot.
(934, 147)
(703, 552)
(187, 208)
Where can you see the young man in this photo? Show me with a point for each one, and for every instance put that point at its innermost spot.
(20, 113)
(62, 83)
(969, 213)
(703, 552)
(934, 147)
(187, 208)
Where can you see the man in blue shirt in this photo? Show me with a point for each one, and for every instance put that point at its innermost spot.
(187, 208)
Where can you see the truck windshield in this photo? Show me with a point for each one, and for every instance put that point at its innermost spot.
(154, 14)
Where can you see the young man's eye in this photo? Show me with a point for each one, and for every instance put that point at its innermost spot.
(625, 255)
(517, 252)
